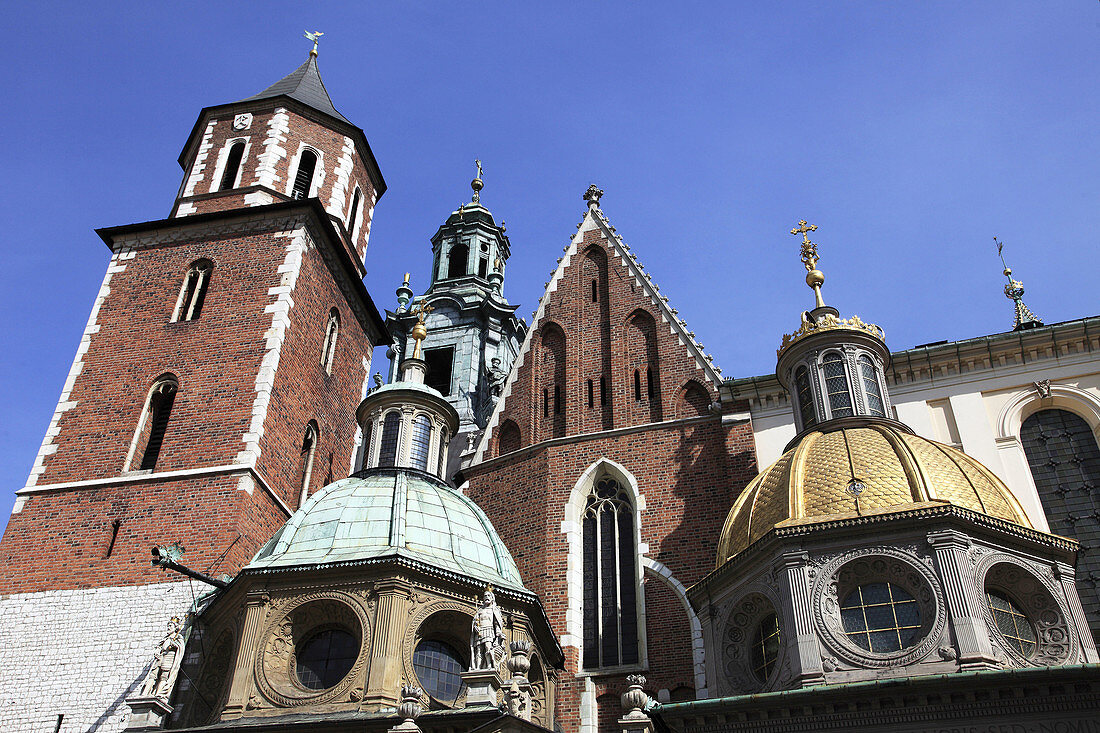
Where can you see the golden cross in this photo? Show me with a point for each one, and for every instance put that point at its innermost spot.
(422, 309)
(809, 249)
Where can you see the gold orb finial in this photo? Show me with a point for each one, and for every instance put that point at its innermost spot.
(419, 331)
(815, 278)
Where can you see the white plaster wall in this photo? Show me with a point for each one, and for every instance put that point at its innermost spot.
(80, 653)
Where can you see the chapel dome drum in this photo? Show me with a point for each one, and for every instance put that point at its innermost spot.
(898, 470)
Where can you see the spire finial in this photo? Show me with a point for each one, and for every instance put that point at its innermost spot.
(313, 37)
(419, 330)
(1014, 291)
(592, 196)
(477, 184)
(815, 278)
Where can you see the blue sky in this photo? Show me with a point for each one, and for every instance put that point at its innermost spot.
(911, 133)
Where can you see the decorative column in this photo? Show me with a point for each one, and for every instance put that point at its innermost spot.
(971, 634)
(798, 615)
(1066, 576)
(240, 688)
(635, 702)
(386, 669)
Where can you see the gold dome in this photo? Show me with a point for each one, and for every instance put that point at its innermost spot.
(900, 471)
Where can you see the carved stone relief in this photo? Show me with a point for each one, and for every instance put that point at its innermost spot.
(737, 636)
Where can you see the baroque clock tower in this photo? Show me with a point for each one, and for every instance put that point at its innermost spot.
(213, 390)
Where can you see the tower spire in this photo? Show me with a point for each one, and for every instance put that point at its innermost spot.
(1014, 291)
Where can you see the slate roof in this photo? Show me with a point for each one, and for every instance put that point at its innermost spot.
(304, 85)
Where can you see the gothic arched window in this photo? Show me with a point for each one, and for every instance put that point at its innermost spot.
(836, 385)
(193, 291)
(420, 440)
(303, 179)
(456, 266)
(1064, 458)
(332, 332)
(871, 389)
(232, 166)
(805, 397)
(305, 460)
(610, 586)
(387, 451)
(154, 423)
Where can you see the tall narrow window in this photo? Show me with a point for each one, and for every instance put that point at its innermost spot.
(305, 460)
(387, 451)
(442, 453)
(545, 402)
(871, 387)
(603, 391)
(595, 291)
(158, 412)
(440, 363)
(193, 291)
(456, 266)
(303, 179)
(610, 589)
(836, 386)
(805, 397)
(590, 393)
(332, 332)
(115, 524)
(420, 440)
(483, 261)
(637, 385)
(353, 217)
(232, 166)
(557, 399)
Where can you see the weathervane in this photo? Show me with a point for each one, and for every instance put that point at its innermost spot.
(815, 278)
(313, 37)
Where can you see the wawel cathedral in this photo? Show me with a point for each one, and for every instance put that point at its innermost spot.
(571, 524)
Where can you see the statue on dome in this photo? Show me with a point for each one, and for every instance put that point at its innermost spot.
(166, 663)
(487, 633)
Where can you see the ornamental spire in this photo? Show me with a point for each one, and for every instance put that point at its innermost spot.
(313, 37)
(1014, 291)
(815, 278)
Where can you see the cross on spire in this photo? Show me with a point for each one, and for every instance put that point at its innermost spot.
(814, 277)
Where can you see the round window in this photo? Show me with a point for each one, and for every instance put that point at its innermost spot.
(1012, 623)
(765, 647)
(439, 669)
(325, 658)
(881, 617)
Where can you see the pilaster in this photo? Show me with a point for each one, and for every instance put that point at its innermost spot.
(385, 673)
(241, 687)
(805, 654)
(1066, 578)
(971, 634)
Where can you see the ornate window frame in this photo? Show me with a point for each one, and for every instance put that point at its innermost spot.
(737, 633)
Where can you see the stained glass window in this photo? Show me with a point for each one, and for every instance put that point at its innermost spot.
(610, 589)
(871, 388)
(836, 386)
(325, 658)
(880, 617)
(439, 669)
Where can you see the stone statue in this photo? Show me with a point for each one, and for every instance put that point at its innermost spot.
(496, 377)
(166, 663)
(377, 380)
(487, 634)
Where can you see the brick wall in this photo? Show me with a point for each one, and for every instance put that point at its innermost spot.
(689, 470)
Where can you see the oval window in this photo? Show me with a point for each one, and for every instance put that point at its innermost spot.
(326, 658)
(881, 617)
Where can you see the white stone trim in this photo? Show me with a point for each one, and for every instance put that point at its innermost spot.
(223, 157)
(278, 128)
(64, 404)
(698, 658)
(589, 713)
(198, 166)
(574, 574)
(338, 200)
(274, 338)
(1027, 401)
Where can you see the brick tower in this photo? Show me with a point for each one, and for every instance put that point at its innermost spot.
(611, 422)
(213, 389)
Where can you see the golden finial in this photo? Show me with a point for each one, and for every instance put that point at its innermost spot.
(1014, 291)
(313, 37)
(419, 330)
(477, 184)
(815, 278)
(405, 284)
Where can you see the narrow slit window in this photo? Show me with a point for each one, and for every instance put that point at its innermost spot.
(442, 453)
(332, 333)
(193, 292)
(637, 385)
(114, 537)
(353, 217)
(595, 292)
(232, 166)
(303, 179)
(603, 391)
(545, 402)
(590, 393)
(305, 460)
(557, 399)
(161, 400)
(805, 397)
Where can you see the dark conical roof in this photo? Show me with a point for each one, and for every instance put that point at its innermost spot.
(304, 85)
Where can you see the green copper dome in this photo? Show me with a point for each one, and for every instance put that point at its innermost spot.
(387, 513)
